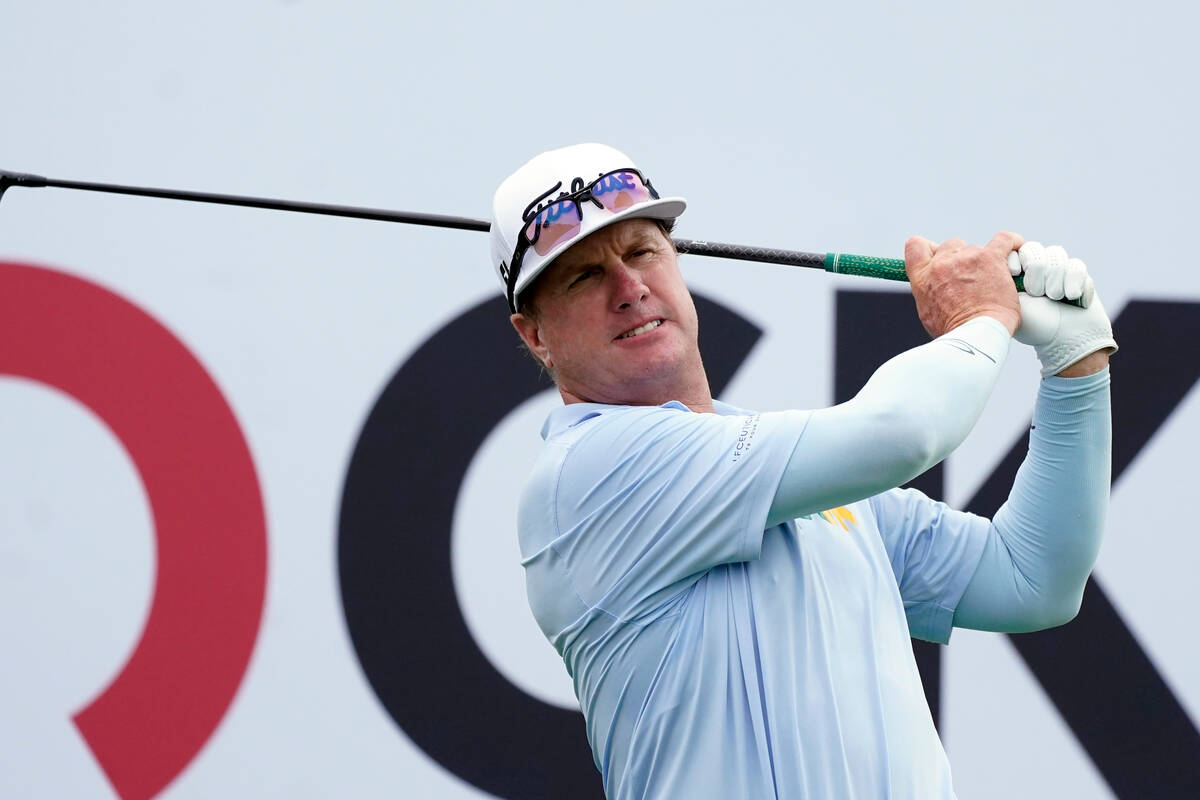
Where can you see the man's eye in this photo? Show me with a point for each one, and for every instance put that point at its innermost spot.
(583, 276)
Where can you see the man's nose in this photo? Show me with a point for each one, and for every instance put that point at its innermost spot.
(630, 287)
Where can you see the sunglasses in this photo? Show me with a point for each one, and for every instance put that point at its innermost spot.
(560, 220)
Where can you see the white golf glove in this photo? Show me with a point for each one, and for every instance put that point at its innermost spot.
(1061, 334)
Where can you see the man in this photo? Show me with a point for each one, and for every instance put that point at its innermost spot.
(733, 592)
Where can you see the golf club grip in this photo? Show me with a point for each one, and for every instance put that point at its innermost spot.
(890, 269)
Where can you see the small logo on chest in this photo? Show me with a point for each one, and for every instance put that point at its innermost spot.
(836, 516)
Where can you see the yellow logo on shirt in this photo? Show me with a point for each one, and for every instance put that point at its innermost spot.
(839, 516)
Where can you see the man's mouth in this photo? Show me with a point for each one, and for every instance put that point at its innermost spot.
(649, 326)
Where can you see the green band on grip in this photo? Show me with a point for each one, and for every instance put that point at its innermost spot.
(891, 269)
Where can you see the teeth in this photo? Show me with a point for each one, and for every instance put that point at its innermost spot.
(649, 326)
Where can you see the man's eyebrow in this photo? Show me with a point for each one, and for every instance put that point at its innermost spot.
(577, 261)
(574, 259)
(639, 238)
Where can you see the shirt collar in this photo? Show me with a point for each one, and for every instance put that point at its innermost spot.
(568, 416)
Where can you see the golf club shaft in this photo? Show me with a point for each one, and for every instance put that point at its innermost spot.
(381, 214)
(839, 263)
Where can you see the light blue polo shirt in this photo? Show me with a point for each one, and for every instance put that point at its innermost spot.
(714, 658)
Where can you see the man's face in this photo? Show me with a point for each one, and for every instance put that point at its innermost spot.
(615, 321)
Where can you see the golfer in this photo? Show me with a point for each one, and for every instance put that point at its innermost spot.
(733, 592)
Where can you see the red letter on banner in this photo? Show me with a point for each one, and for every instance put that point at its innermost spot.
(205, 502)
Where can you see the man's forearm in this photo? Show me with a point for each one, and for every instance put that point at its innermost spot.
(916, 408)
(1045, 538)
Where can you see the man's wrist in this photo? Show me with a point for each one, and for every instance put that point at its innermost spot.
(1008, 317)
(1088, 365)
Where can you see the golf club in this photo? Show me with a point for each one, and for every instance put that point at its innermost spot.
(839, 263)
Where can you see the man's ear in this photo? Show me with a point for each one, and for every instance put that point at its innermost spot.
(530, 332)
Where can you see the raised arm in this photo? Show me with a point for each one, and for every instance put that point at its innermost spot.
(921, 404)
(1045, 538)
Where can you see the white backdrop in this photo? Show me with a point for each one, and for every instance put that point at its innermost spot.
(842, 126)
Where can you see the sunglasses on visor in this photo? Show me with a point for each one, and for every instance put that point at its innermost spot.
(560, 220)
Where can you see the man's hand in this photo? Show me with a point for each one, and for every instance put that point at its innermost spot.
(954, 282)
(1070, 342)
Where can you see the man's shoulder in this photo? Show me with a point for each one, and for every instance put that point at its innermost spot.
(589, 449)
(573, 422)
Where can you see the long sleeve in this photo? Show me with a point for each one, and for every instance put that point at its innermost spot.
(1045, 538)
(911, 414)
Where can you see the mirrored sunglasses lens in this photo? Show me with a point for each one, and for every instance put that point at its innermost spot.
(555, 223)
(620, 190)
